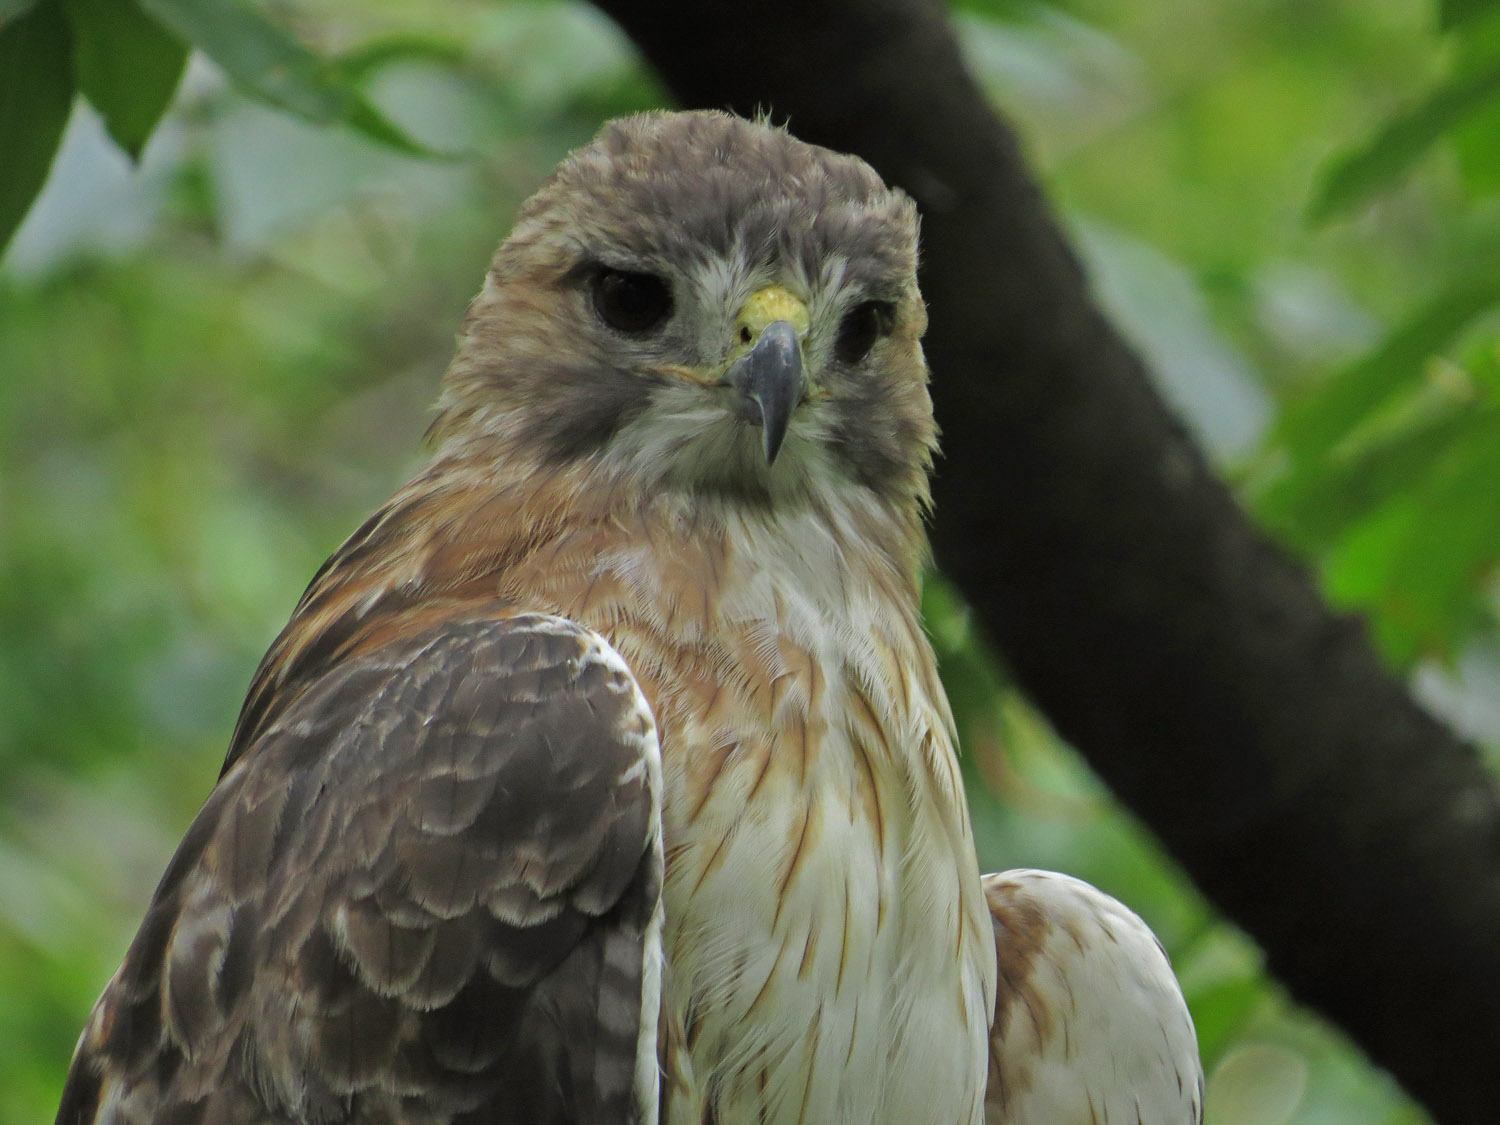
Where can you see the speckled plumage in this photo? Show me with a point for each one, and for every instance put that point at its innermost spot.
(447, 874)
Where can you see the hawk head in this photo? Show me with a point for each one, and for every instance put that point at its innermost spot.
(698, 303)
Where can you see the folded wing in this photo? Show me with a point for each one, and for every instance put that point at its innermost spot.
(430, 889)
(1090, 1024)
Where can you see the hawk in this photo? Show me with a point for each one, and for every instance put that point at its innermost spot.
(604, 774)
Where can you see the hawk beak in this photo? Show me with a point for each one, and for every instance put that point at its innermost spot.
(772, 324)
(770, 376)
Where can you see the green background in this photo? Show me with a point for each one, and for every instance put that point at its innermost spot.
(215, 361)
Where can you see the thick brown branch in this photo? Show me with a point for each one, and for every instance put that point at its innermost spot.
(1190, 658)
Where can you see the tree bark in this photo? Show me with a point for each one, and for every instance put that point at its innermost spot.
(1187, 656)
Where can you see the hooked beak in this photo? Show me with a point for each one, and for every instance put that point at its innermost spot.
(770, 376)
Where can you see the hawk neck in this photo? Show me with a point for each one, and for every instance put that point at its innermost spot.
(468, 539)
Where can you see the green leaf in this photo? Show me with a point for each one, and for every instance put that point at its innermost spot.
(1478, 152)
(1424, 558)
(1359, 441)
(36, 94)
(269, 64)
(14, 9)
(1221, 1012)
(1320, 505)
(1474, 139)
(1314, 424)
(383, 51)
(1451, 13)
(1357, 175)
(128, 66)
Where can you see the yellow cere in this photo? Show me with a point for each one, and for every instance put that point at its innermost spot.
(765, 307)
(768, 305)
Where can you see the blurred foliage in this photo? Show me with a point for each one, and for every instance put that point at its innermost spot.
(220, 328)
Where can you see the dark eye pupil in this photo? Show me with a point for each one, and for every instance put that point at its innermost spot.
(862, 326)
(631, 302)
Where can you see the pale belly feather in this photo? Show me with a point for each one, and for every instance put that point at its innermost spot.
(826, 947)
(816, 973)
(827, 954)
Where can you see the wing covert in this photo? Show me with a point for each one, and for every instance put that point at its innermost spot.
(429, 892)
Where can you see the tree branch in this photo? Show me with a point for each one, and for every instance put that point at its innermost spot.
(1186, 655)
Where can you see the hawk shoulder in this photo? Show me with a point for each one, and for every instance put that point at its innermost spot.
(429, 889)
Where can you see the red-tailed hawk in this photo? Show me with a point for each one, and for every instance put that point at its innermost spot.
(604, 774)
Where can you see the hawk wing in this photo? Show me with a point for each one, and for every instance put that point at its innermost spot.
(428, 892)
(1090, 1024)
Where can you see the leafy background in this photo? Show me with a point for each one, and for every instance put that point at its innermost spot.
(222, 321)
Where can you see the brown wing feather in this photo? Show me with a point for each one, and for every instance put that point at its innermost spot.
(425, 894)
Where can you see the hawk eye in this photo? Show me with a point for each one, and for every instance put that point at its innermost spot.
(862, 326)
(631, 302)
